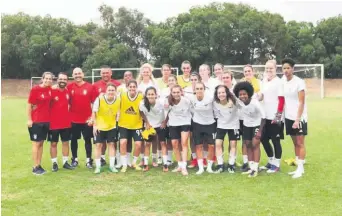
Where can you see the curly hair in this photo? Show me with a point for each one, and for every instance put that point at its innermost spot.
(229, 95)
(289, 61)
(244, 86)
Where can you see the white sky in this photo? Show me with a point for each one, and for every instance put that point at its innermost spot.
(83, 11)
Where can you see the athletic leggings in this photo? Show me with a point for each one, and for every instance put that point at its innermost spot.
(74, 147)
(268, 148)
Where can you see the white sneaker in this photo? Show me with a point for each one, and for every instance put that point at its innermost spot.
(292, 173)
(298, 174)
(247, 172)
(160, 161)
(209, 170)
(118, 164)
(200, 172)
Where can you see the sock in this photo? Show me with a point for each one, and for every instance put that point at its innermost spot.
(194, 156)
(219, 160)
(111, 161)
(65, 159)
(129, 162)
(300, 166)
(250, 164)
(210, 164)
(154, 156)
(98, 163)
(118, 154)
(159, 153)
(145, 160)
(200, 164)
(296, 158)
(54, 160)
(142, 156)
(135, 158)
(123, 159)
(103, 157)
(276, 162)
(184, 165)
(231, 160)
(88, 160)
(245, 159)
(205, 154)
(165, 159)
(180, 164)
(256, 166)
(169, 155)
(270, 160)
(76, 159)
(118, 159)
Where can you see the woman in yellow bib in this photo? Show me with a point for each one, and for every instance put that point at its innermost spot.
(249, 77)
(130, 124)
(184, 80)
(105, 111)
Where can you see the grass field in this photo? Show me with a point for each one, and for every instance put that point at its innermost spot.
(80, 192)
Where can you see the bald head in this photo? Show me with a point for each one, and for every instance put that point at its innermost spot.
(78, 74)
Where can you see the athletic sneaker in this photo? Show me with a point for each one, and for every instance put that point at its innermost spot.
(160, 161)
(245, 167)
(113, 169)
(41, 170)
(154, 162)
(177, 169)
(165, 168)
(123, 169)
(247, 172)
(103, 162)
(89, 164)
(35, 171)
(219, 169)
(185, 172)
(137, 168)
(67, 166)
(253, 174)
(297, 174)
(193, 163)
(169, 163)
(200, 172)
(74, 163)
(268, 166)
(146, 168)
(231, 168)
(54, 167)
(273, 169)
(97, 170)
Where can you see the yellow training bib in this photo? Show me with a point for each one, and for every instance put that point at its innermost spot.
(130, 117)
(106, 115)
(255, 83)
(183, 83)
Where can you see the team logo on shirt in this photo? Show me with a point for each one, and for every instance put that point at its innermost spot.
(99, 89)
(56, 98)
(67, 96)
(72, 92)
(84, 91)
(35, 136)
(131, 111)
(42, 96)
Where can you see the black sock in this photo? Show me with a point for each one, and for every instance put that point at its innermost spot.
(74, 147)
(88, 147)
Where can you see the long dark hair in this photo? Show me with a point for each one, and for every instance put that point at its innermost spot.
(170, 99)
(146, 102)
(228, 93)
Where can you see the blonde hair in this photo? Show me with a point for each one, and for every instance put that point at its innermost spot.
(229, 73)
(205, 66)
(150, 67)
(272, 61)
(219, 64)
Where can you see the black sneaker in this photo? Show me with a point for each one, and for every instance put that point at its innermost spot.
(89, 164)
(231, 169)
(54, 167)
(267, 167)
(244, 167)
(103, 162)
(34, 171)
(219, 169)
(74, 163)
(40, 170)
(68, 166)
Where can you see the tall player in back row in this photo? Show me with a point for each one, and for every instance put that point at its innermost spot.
(296, 116)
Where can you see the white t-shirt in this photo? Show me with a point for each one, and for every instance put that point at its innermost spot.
(227, 117)
(252, 113)
(211, 84)
(179, 114)
(291, 90)
(164, 93)
(271, 90)
(203, 112)
(188, 92)
(143, 86)
(156, 114)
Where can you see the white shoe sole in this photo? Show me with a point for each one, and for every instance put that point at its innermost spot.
(297, 175)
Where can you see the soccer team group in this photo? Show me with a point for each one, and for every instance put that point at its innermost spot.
(166, 115)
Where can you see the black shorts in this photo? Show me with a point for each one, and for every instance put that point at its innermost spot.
(233, 134)
(175, 131)
(39, 131)
(162, 134)
(130, 134)
(301, 131)
(249, 132)
(64, 133)
(81, 128)
(204, 134)
(106, 136)
(273, 130)
(241, 127)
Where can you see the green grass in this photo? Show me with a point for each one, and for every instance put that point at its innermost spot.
(80, 192)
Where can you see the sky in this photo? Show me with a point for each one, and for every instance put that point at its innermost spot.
(83, 11)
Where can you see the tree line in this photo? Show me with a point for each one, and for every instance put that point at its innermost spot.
(231, 34)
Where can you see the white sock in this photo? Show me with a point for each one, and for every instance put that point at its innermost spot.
(205, 154)
(194, 156)
(219, 160)
(256, 166)
(159, 153)
(98, 163)
(245, 159)
(145, 160)
(210, 164)
(142, 156)
(111, 161)
(276, 162)
(129, 161)
(164, 159)
(76, 159)
(231, 160)
(169, 155)
(300, 166)
(88, 160)
(135, 158)
(250, 164)
(296, 158)
(200, 164)
(118, 154)
(154, 156)
(180, 164)
(103, 157)
(54, 160)
(123, 159)
(271, 160)
(65, 159)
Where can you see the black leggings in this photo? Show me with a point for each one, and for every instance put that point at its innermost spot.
(74, 147)
(268, 148)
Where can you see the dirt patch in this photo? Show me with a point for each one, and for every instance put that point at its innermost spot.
(21, 88)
